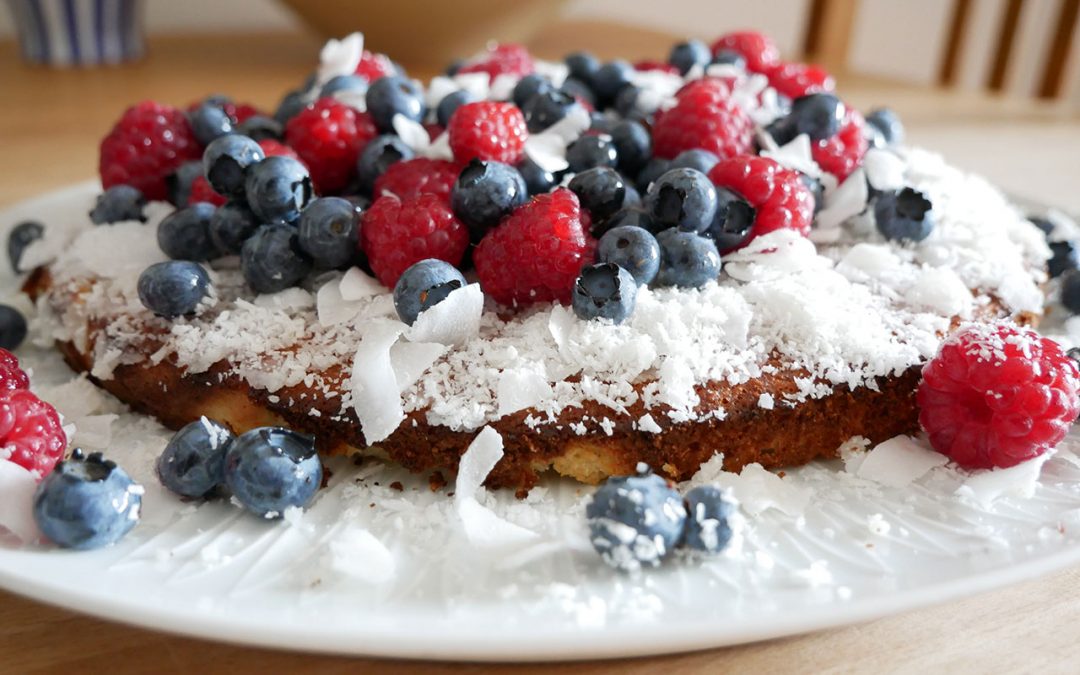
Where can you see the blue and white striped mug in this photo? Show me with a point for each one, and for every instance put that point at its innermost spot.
(79, 32)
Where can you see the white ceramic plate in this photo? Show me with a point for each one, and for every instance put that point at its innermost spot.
(371, 569)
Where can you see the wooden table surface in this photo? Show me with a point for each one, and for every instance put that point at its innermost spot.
(50, 124)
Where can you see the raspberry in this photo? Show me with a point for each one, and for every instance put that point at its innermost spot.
(759, 50)
(395, 234)
(30, 431)
(799, 79)
(502, 59)
(419, 176)
(329, 136)
(779, 196)
(704, 117)
(643, 66)
(11, 375)
(373, 65)
(841, 154)
(536, 253)
(272, 148)
(149, 142)
(997, 395)
(202, 192)
(487, 130)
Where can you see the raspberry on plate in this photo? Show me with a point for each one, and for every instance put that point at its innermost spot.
(411, 178)
(329, 136)
(488, 130)
(147, 144)
(997, 395)
(536, 254)
(374, 65)
(201, 191)
(759, 50)
(12, 376)
(757, 196)
(799, 79)
(30, 431)
(502, 59)
(272, 148)
(395, 234)
(842, 154)
(704, 117)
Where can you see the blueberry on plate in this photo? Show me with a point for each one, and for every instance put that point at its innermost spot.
(601, 191)
(484, 192)
(349, 83)
(1065, 256)
(683, 198)
(424, 285)
(633, 145)
(277, 189)
(261, 128)
(701, 160)
(635, 521)
(628, 217)
(173, 288)
(687, 259)
(449, 105)
(579, 90)
(291, 104)
(529, 86)
(604, 291)
(632, 248)
(231, 225)
(610, 78)
(686, 55)
(819, 116)
(270, 469)
(591, 150)
(889, 130)
(626, 102)
(734, 218)
(193, 462)
(272, 260)
(12, 328)
(729, 57)
(538, 180)
(226, 161)
(708, 529)
(178, 183)
(328, 232)
(185, 233)
(394, 95)
(376, 158)
(653, 169)
(545, 108)
(1070, 291)
(209, 121)
(582, 66)
(817, 188)
(118, 204)
(87, 502)
(21, 236)
(905, 215)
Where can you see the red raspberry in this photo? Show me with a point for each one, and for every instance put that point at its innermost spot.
(373, 65)
(537, 252)
(705, 117)
(272, 148)
(842, 154)
(329, 136)
(779, 197)
(644, 66)
(11, 375)
(759, 50)
(502, 59)
(420, 176)
(202, 192)
(395, 234)
(30, 431)
(997, 395)
(487, 130)
(799, 79)
(149, 142)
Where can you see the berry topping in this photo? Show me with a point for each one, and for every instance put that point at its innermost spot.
(631, 217)
(11, 375)
(328, 136)
(538, 180)
(488, 130)
(173, 288)
(202, 191)
(843, 152)
(328, 232)
(484, 193)
(278, 188)
(30, 431)
(633, 145)
(271, 259)
(231, 225)
(601, 191)
(777, 196)
(529, 86)
(12, 327)
(21, 236)
(591, 151)
(261, 128)
(1070, 291)
(501, 59)
(888, 128)
(686, 55)
(799, 79)
(819, 116)
(270, 469)
(379, 155)
(683, 198)
(604, 291)
(353, 84)
(391, 96)
(704, 117)
(148, 143)
(118, 204)
(226, 161)
(1065, 256)
(185, 234)
(193, 463)
(273, 148)
(610, 78)
(727, 57)
(707, 513)
(997, 395)
(582, 65)
(449, 105)
(701, 160)
(209, 121)
(632, 248)
(424, 285)
(545, 108)
(411, 178)
(395, 234)
(374, 65)
(906, 215)
(759, 50)
(687, 260)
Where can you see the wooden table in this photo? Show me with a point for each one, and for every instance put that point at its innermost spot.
(50, 124)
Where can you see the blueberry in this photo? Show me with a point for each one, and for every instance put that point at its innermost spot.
(652, 170)
(349, 83)
(582, 65)
(1043, 224)
(610, 78)
(601, 191)
(271, 259)
(686, 55)
(277, 188)
(887, 125)
(633, 145)
(783, 130)
(734, 218)
(328, 232)
(193, 463)
(424, 285)
(529, 86)
(632, 248)
(484, 193)
(707, 513)
(377, 156)
(12, 328)
(21, 236)
(683, 198)
(635, 521)
(602, 123)
(185, 233)
(538, 180)
(261, 128)
(173, 288)
(449, 105)
(578, 90)
(1065, 256)
(632, 199)
(626, 102)
(604, 291)
(209, 121)
(632, 217)
(545, 108)
(179, 182)
(118, 204)
(87, 503)
(591, 150)
(292, 104)
(819, 116)
(270, 469)
(454, 66)
(701, 160)
(817, 188)
(906, 215)
(226, 162)
(729, 57)
(687, 260)
(1070, 291)
(394, 95)
(231, 225)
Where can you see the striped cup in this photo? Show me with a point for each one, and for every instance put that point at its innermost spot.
(67, 33)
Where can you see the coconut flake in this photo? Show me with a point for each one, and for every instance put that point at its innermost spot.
(17, 486)
(94, 431)
(884, 169)
(410, 360)
(755, 488)
(481, 525)
(795, 155)
(340, 57)
(411, 132)
(373, 380)
(332, 308)
(548, 148)
(846, 201)
(358, 285)
(454, 321)
(940, 289)
(984, 486)
(898, 462)
(521, 388)
(288, 299)
(358, 555)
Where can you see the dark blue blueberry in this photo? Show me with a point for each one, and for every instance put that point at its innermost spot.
(906, 215)
(604, 291)
(632, 248)
(454, 67)
(538, 180)
(1065, 256)
(610, 78)
(226, 162)
(270, 469)
(819, 116)
(601, 191)
(424, 285)
(783, 130)
(603, 123)
(271, 259)
(261, 128)
(652, 170)
(185, 233)
(1043, 224)
(683, 198)
(686, 55)
(394, 95)
(545, 108)
(626, 102)
(209, 121)
(635, 521)
(350, 83)
(632, 217)
(193, 463)
(173, 288)
(633, 145)
(707, 527)
(277, 189)
(118, 204)
(376, 158)
(818, 190)
(632, 200)
(484, 193)
(578, 90)
(734, 218)
(1070, 291)
(21, 236)
(292, 104)
(12, 328)
(231, 225)
(700, 160)
(328, 232)
(887, 125)
(449, 105)
(179, 182)
(687, 260)
(729, 57)
(529, 86)
(591, 150)
(87, 503)
(582, 65)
